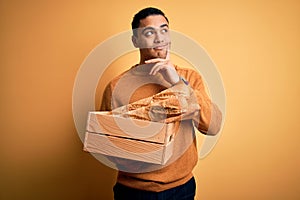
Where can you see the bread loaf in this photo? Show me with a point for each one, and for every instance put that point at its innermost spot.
(168, 104)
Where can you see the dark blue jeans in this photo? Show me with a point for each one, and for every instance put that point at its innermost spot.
(182, 192)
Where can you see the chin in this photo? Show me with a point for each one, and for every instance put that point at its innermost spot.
(161, 54)
(151, 54)
(164, 55)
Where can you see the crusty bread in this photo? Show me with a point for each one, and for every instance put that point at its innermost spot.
(170, 103)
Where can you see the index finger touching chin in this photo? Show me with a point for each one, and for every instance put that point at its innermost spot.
(168, 55)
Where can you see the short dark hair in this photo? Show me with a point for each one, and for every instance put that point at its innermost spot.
(142, 14)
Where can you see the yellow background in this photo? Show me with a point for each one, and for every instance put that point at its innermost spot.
(255, 45)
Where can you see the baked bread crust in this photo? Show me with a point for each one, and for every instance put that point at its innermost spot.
(167, 106)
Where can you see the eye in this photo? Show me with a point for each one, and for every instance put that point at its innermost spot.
(148, 33)
(164, 30)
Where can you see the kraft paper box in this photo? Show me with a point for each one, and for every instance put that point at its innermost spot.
(129, 138)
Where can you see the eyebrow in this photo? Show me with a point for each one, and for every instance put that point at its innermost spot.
(152, 28)
(164, 25)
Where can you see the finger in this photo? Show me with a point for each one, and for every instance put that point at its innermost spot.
(155, 60)
(168, 55)
(156, 68)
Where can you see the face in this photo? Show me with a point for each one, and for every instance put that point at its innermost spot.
(153, 37)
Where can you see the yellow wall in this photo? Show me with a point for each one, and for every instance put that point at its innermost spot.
(255, 45)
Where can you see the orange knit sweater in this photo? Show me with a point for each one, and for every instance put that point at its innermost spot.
(130, 87)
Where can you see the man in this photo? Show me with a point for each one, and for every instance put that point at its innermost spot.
(155, 73)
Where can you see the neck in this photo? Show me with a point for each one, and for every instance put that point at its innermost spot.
(142, 58)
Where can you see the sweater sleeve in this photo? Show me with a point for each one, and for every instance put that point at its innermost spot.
(208, 118)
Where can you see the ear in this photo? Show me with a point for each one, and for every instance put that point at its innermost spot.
(134, 41)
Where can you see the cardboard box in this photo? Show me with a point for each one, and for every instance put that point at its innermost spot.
(128, 138)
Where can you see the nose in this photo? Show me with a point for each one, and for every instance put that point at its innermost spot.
(159, 38)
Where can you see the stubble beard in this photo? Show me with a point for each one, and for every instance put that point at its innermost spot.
(158, 54)
(162, 54)
(150, 53)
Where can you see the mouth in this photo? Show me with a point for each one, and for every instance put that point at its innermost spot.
(161, 47)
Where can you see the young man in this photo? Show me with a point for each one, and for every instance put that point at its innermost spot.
(155, 73)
